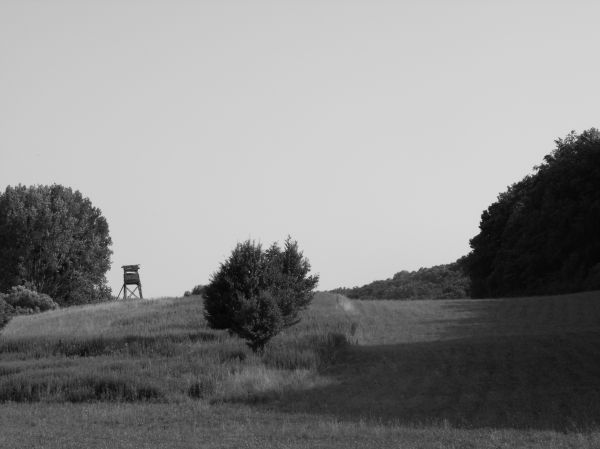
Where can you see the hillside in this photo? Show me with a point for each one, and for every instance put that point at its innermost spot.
(124, 351)
(352, 374)
(439, 282)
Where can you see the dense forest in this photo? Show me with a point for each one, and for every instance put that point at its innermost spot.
(542, 235)
(438, 282)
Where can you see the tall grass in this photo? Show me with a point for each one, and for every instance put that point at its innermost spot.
(505, 373)
(513, 362)
(159, 351)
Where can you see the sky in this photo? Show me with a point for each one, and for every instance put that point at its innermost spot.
(373, 132)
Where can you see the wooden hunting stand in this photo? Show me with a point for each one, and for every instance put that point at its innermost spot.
(131, 277)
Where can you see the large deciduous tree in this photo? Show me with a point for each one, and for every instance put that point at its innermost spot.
(256, 293)
(542, 235)
(55, 241)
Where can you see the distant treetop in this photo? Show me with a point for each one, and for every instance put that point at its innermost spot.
(438, 282)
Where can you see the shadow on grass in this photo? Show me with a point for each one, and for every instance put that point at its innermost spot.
(540, 315)
(546, 382)
(527, 363)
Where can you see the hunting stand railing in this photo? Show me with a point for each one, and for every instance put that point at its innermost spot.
(131, 277)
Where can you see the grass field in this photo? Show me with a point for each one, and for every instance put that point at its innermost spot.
(521, 372)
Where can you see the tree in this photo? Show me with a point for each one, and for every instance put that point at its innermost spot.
(198, 290)
(53, 241)
(255, 293)
(541, 235)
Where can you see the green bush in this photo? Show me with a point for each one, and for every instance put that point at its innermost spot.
(24, 300)
(255, 294)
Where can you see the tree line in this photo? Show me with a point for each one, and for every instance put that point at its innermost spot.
(542, 235)
(439, 282)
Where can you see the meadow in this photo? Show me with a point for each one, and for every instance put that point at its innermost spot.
(519, 372)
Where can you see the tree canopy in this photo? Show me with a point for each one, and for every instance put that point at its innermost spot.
(54, 241)
(542, 235)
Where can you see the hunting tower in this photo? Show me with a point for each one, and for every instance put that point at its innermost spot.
(131, 277)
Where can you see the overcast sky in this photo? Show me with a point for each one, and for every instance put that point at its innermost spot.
(375, 133)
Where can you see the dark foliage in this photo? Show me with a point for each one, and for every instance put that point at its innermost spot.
(54, 241)
(6, 311)
(542, 235)
(438, 282)
(255, 293)
(198, 290)
(24, 300)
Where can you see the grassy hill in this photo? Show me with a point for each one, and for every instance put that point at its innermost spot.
(464, 373)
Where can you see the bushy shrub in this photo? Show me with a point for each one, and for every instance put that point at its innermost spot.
(24, 300)
(255, 294)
